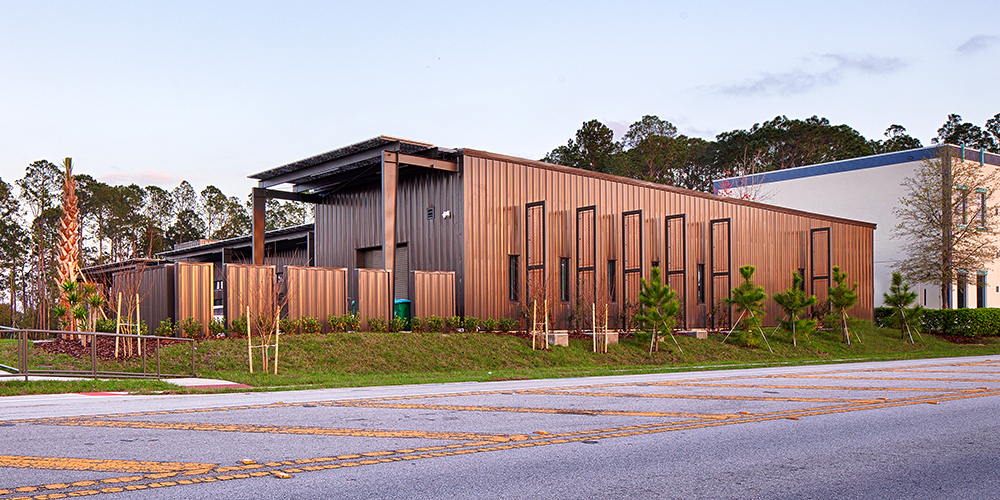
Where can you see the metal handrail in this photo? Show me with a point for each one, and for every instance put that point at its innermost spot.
(23, 353)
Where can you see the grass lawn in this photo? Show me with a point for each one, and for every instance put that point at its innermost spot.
(363, 359)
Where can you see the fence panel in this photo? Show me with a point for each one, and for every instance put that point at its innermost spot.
(374, 293)
(318, 292)
(433, 294)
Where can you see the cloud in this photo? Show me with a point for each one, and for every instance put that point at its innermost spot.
(977, 43)
(798, 81)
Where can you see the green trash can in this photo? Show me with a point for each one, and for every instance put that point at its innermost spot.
(403, 309)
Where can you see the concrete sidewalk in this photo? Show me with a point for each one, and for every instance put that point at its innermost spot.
(194, 383)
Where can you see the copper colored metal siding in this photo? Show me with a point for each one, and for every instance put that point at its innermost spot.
(499, 189)
(319, 292)
(374, 292)
(193, 292)
(249, 285)
(434, 294)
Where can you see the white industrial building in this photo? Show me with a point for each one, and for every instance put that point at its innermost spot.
(868, 189)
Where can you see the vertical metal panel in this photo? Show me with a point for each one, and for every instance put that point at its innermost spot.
(675, 262)
(193, 292)
(632, 262)
(535, 252)
(248, 285)
(819, 245)
(401, 273)
(318, 292)
(586, 256)
(434, 294)
(155, 287)
(374, 295)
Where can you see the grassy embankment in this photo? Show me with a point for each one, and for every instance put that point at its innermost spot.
(361, 359)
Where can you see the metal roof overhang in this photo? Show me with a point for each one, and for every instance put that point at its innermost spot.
(358, 163)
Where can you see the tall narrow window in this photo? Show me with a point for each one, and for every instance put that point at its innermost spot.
(962, 304)
(981, 290)
(802, 274)
(982, 209)
(611, 281)
(700, 276)
(512, 272)
(564, 279)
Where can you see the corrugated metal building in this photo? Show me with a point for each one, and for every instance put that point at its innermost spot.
(505, 231)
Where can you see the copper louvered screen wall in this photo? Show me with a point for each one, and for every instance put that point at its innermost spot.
(434, 294)
(631, 261)
(820, 263)
(721, 273)
(193, 292)
(535, 251)
(674, 259)
(317, 292)
(248, 285)
(374, 294)
(586, 256)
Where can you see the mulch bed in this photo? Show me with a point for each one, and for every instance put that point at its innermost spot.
(105, 348)
(959, 339)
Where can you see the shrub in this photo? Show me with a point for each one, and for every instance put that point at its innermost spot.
(506, 324)
(217, 327)
(965, 322)
(288, 325)
(310, 324)
(336, 323)
(435, 324)
(453, 323)
(470, 324)
(489, 325)
(397, 324)
(167, 328)
(883, 317)
(191, 328)
(416, 325)
(351, 322)
(376, 325)
(238, 326)
(107, 325)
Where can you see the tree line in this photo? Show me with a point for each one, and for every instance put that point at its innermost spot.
(653, 150)
(117, 222)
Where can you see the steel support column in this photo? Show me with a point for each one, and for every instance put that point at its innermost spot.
(259, 202)
(389, 173)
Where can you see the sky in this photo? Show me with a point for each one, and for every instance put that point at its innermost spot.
(213, 91)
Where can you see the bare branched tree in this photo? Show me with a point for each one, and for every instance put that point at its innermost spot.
(946, 220)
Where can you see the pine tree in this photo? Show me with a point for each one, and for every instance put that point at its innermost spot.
(793, 301)
(658, 309)
(899, 298)
(749, 301)
(842, 298)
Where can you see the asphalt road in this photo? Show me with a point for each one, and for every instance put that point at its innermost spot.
(913, 429)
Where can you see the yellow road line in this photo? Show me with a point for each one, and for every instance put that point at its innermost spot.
(517, 409)
(128, 466)
(311, 431)
(703, 396)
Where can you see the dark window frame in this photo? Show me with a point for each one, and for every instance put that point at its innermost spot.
(564, 279)
(592, 268)
(513, 273)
